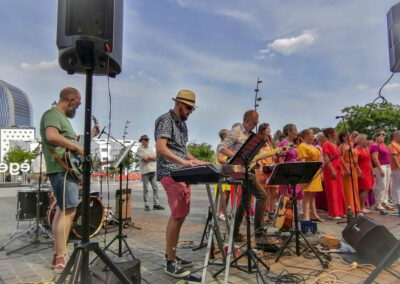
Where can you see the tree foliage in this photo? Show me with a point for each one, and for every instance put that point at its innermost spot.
(366, 119)
(17, 155)
(202, 152)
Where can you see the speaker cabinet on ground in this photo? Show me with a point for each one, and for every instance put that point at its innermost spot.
(126, 204)
(371, 241)
(93, 23)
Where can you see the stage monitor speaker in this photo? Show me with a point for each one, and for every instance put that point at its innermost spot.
(89, 35)
(126, 204)
(371, 241)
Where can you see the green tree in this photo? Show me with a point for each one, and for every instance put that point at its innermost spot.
(202, 152)
(366, 119)
(17, 155)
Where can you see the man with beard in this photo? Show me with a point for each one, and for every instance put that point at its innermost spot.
(57, 136)
(171, 136)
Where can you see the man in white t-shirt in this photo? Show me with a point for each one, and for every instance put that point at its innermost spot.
(148, 169)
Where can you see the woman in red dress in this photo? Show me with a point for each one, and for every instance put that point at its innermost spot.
(333, 175)
(366, 180)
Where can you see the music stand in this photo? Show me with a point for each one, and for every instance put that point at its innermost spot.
(244, 157)
(120, 236)
(292, 174)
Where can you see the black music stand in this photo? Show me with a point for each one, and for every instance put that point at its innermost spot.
(120, 236)
(293, 174)
(244, 157)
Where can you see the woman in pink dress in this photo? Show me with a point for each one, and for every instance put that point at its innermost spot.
(333, 175)
(366, 180)
(289, 156)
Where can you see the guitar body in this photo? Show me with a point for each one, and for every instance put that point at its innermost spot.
(284, 215)
(74, 161)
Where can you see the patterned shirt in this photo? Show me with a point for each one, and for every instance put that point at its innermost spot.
(234, 139)
(170, 126)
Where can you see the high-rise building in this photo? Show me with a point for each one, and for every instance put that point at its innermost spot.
(15, 106)
(16, 125)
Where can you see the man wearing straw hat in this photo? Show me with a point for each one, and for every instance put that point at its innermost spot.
(171, 136)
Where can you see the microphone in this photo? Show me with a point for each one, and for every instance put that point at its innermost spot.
(102, 131)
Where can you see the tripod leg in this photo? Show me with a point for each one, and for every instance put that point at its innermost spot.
(76, 268)
(111, 265)
(128, 248)
(284, 246)
(254, 257)
(105, 248)
(16, 237)
(313, 250)
(68, 267)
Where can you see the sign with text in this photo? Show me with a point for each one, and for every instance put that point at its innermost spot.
(14, 168)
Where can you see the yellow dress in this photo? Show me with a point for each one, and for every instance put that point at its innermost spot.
(225, 187)
(311, 154)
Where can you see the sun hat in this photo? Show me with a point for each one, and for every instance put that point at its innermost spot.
(145, 137)
(187, 97)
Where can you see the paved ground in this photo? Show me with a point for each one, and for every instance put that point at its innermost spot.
(31, 265)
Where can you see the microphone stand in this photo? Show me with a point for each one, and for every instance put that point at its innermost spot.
(352, 163)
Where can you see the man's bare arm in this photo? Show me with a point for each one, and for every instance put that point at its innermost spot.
(54, 137)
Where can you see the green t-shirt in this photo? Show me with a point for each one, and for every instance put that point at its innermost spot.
(55, 118)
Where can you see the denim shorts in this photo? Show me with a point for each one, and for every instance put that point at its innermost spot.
(71, 190)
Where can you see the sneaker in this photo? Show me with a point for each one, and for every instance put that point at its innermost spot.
(147, 208)
(174, 269)
(59, 263)
(183, 262)
(240, 238)
(158, 207)
(263, 239)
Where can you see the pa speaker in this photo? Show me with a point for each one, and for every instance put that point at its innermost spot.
(89, 35)
(371, 241)
(393, 25)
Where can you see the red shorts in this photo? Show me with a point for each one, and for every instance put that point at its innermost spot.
(178, 194)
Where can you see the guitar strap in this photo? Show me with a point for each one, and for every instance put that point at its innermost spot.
(54, 154)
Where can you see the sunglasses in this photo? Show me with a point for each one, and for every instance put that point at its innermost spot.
(189, 107)
(381, 134)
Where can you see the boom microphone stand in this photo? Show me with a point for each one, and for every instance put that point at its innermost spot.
(79, 261)
(352, 163)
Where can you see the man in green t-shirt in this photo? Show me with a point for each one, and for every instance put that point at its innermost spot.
(57, 136)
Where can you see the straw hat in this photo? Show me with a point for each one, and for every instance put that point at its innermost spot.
(187, 97)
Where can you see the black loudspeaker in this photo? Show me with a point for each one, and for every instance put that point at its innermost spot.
(101, 274)
(371, 241)
(89, 34)
(393, 25)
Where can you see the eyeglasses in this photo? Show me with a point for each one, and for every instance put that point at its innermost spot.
(381, 134)
(79, 101)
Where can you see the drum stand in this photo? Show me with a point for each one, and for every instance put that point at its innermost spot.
(38, 226)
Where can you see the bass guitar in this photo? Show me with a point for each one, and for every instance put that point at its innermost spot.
(284, 214)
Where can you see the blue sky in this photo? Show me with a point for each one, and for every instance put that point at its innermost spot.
(314, 57)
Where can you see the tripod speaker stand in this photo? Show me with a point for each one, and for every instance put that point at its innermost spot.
(292, 174)
(79, 261)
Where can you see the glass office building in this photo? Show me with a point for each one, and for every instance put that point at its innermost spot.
(15, 107)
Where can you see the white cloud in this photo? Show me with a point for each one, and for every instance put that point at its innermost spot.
(288, 46)
(237, 15)
(42, 65)
(392, 86)
(142, 75)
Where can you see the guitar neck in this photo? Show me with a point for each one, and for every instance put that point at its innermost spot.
(267, 154)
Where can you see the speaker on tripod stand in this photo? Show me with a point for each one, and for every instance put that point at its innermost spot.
(89, 39)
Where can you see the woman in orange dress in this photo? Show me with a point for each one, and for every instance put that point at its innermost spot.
(351, 172)
(262, 175)
(309, 153)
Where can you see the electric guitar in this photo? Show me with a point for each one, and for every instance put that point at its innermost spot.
(267, 154)
(75, 161)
